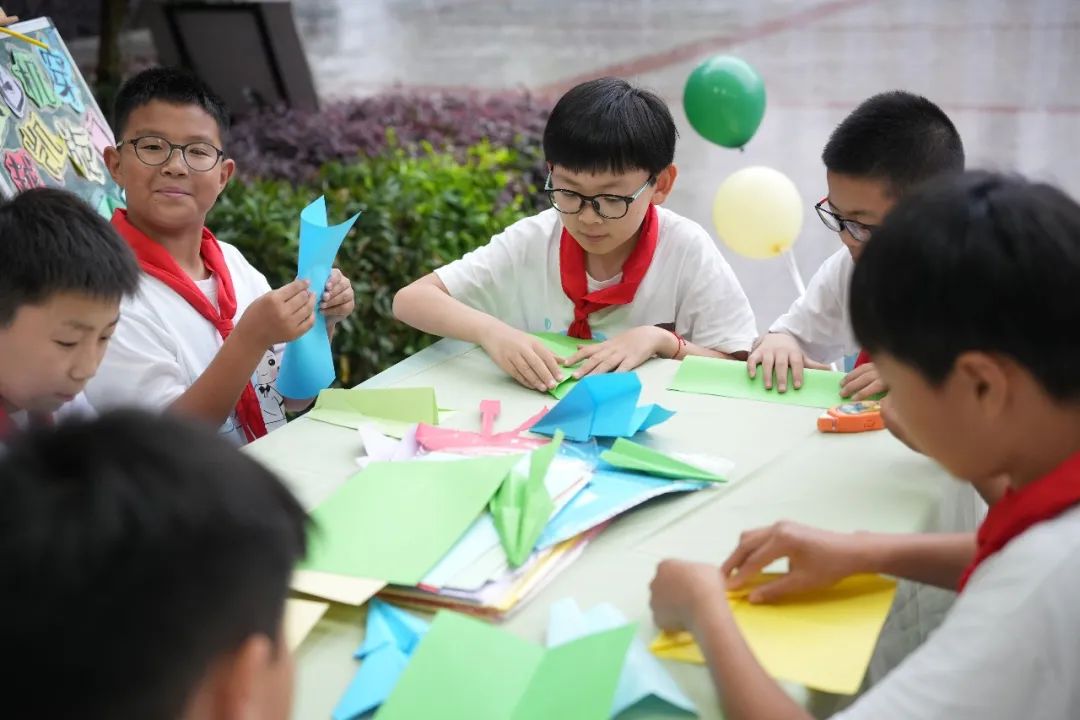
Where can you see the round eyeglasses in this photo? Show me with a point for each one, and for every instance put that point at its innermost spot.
(606, 205)
(861, 232)
(154, 151)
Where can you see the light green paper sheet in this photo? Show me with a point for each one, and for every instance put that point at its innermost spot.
(729, 378)
(465, 669)
(522, 506)
(631, 456)
(394, 520)
(392, 410)
(563, 346)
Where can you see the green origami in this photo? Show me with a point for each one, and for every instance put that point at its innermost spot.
(522, 505)
(729, 378)
(465, 669)
(563, 346)
(395, 520)
(392, 410)
(631, 456)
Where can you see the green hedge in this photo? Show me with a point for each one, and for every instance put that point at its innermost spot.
(421, 209)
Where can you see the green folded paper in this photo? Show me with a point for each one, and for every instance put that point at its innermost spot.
(563, 346)
(522, 506)
(729, 378)
(631, 456)
(465, 669)
(392, 410)
(395, 520)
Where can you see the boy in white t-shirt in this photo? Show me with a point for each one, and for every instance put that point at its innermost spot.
(890, 143)
(606, 262)
(962, 297)
(204, 334)
(63, 271)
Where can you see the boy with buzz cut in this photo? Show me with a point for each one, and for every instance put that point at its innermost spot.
(606, 262)
(204, 334)
(984, 377)
(146, 565)
(888, 145)
(63, 272)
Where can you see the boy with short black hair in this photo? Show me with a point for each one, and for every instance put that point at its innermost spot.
(205, 333)
(888, 145)
(985, 381)
(144, 581)
(605, 262)
(63, 271)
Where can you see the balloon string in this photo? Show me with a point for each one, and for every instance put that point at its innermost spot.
(793, 269)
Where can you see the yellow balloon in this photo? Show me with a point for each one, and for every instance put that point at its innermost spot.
(758, 212)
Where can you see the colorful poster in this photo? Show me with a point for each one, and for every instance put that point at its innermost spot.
(52, 132)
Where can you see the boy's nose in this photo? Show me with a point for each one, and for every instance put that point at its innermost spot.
(175, 165)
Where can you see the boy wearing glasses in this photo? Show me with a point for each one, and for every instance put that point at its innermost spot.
(204, 321)
(886, 146)
(605, 262)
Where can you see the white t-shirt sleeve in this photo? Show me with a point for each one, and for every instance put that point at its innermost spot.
(1008, 649)
(487, 278)
(142, 366)
(714, 312)
(820, 320)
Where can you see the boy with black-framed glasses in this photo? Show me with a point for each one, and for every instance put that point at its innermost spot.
(606, 262)
(889, 144)
(205, 323)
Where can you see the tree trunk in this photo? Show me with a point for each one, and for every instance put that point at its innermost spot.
(110, 65)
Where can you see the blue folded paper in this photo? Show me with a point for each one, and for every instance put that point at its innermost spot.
(642, 678)
(602, 406)
(390, 637)
(308, 365)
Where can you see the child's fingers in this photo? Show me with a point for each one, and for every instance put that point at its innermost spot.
(528, 374)
(540, 369)
(586, 351)
(752, 362)
(767, 360)
(550, 361)
(864, 380)
(781, 372)
(797, 370)
(748, 542)
(877, 386)
(777, 589)
(755, 562)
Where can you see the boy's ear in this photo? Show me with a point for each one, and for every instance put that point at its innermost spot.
(665, 181)
(986, 382)
(230, 688)
(228, 167)
(112, 162)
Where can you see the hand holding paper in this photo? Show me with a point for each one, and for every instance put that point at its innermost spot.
(308, 366)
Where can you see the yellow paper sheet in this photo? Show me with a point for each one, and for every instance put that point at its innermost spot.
(338, 588)
(301, 616)
(822, 639)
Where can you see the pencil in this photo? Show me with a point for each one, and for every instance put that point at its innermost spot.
(26, 38)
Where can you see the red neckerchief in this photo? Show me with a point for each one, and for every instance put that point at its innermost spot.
(1043, 499)
(576, 285)
(156, 262)
(862, 359)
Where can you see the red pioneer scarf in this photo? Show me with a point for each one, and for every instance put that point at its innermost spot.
(1044, 499)
(156, 262)
(576, 285)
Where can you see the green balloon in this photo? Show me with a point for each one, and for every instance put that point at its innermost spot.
(725, 100)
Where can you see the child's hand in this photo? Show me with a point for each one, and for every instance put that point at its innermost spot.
(6, 19)
(338, 299)
(681, 587)
(280, 315)
(623, 352)
(816, 559)
(778, 352)
(523, 357)
(862, 382)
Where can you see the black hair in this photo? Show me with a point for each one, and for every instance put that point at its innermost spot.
(136, 550)
(608, 125)
(975, 262)
(173, 85)
(51, 242)
(898, 137)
